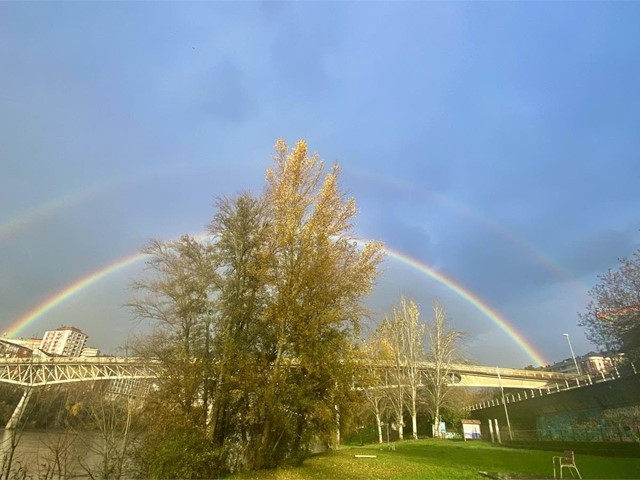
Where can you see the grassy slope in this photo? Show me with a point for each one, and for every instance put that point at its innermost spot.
(425, 459)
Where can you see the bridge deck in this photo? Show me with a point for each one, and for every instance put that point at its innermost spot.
(37, 372)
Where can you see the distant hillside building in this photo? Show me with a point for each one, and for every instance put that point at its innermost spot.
(64, 341)
(90, 352)
(592, 363)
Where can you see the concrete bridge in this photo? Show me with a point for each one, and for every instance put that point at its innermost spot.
(463, 375)
(483, 376)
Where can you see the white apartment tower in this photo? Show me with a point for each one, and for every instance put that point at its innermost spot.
(64, 341)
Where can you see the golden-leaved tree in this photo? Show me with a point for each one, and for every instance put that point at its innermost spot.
(257, 326)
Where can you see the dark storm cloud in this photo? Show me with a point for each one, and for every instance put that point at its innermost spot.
(595, 254)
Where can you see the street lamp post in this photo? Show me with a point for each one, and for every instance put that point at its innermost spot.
(572, 354)
(504, 402)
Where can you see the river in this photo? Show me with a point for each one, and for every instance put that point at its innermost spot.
(52, 454)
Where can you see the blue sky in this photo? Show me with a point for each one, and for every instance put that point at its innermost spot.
(496, 142)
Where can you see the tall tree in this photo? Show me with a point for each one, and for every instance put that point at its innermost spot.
(612, 317)
(239, 227)
(317, 278)
(257, 327)
(442, 351)
(178, 296)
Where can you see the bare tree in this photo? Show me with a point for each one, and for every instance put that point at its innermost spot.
(57, 462)
(13, 434)
(612, 318)
(413, 351)
(372, 381)
(34, 406)
(403, 335)
(443, 344)
(394, 374)
(105, 424)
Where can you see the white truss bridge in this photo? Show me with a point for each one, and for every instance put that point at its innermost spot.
(38, 372)
(33, 372)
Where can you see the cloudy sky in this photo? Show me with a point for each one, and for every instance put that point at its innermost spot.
(494, 143)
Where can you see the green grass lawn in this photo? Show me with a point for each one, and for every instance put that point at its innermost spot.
(426, 459)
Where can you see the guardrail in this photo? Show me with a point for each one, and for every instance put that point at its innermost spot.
(76, 360)
(576, 382)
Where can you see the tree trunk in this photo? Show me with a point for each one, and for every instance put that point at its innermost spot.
(414, 425)
(414, 418)
(379, 423)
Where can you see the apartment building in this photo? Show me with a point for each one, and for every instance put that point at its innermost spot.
(64, 341)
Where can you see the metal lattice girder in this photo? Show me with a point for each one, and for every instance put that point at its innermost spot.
(35, 372)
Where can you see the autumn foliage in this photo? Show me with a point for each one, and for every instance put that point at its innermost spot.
(256, 326)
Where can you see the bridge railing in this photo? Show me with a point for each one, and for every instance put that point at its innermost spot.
(76, 360)
(491, 371)
(568, 384)
(511, 372)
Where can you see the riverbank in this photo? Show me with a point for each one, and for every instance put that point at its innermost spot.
(51, 453)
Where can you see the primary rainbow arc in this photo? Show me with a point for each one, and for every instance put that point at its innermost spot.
(85, 282)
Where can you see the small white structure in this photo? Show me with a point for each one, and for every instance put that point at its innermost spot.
(90, 352)
(471, 429)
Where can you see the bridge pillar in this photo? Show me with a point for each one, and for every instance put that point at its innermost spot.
(495, 420)
(17, 413)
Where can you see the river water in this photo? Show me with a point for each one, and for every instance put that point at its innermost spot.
(51, 454)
